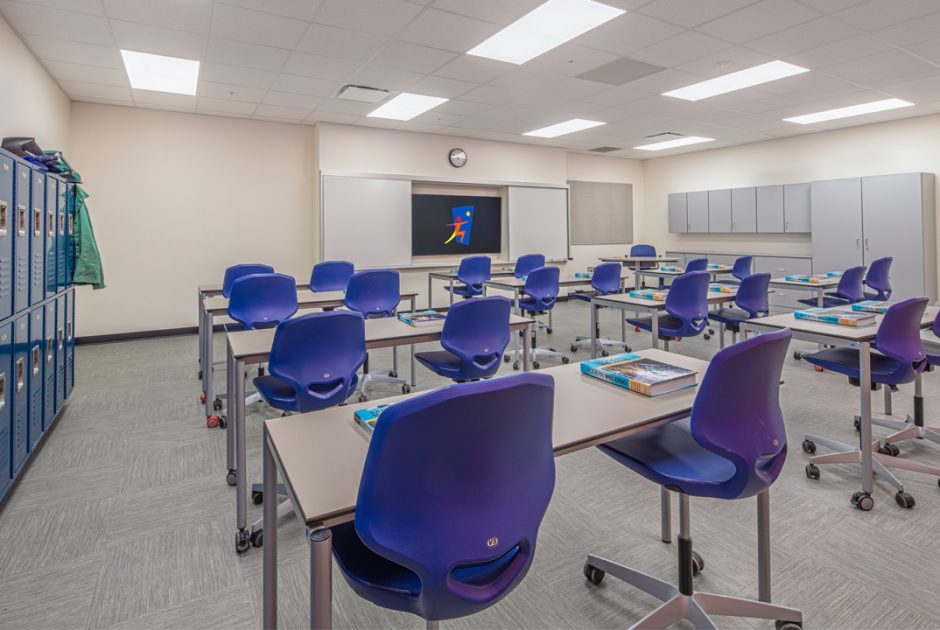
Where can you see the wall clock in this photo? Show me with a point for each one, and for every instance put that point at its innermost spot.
(457, 157)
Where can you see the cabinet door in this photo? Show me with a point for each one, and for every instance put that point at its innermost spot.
(719, 210)
(678, 216)
(836, 224)
(770, 209)
(697, 206)
(796, 208)
(744, 210)
(893, 221)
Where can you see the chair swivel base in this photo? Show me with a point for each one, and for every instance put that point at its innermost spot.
(908, 430)
(601, 344)
(534, 354)
(380, 378)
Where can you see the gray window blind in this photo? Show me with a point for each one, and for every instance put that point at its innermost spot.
(601, 213)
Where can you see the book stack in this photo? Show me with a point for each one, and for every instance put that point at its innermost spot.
(716, 267)
(648, 294)
(721, 288)
(807, 279)
(671, 268)
(856, 319)
(834, 274)
(366, 418)
(871, 306)
(640, 374)
(582, 274)
(422, 318)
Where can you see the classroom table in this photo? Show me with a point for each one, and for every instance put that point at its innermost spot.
(840, 336)
(663, 273)
(638, 262)
(819, 288)
(217, 305)
(450, 277)
(625, 302)
(246, 347)
(320, 457)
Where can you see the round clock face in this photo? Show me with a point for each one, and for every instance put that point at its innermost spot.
(457, 157)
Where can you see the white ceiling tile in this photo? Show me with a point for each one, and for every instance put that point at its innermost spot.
(876, 14)
(91, 7)
(572, 59)
(664, 81)
(837, 52)
(492, 95)
(286, 99)
(212, 112)
(475, 69)
(498, 11)
(913, 31)
(54, 49)
(446, 31)
(437, 118)
(895, 61)
(181, 15)
(256, 27)
(615, 96)
(392, 79)
(159, 41)
(76, 89)
(178, 102)
(929, 50)
(806, 36)
(63, 71)
(759, 20)
(320, 67)
(336, 42)
(331, 117)
(383, 123)
(412, 57)
(526, 78)
(339, 106)
(237, 75)
(39, 20)
(221, 105)
(917, 91)
(679, 49)
(299, 9)
(446, 88)
(276, 112)
(831, 6)
(725, 61)
(462, 108)
(628, 33)
(378, 17)
(690, 14)
(228, 92)
(238, 53)
(305, 85)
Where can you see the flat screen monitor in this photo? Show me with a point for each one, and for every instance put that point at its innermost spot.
(455, 224)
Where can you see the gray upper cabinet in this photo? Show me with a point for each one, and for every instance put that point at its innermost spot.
(770, 209)
(836, 224)
(743, 210)
(796, 208)
(678, 215)
(697, 208)
(719, 210)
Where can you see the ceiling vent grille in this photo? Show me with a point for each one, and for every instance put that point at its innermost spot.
(604, 149)
(362, 94)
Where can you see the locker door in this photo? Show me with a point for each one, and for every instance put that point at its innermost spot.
(837, 224)
(48, 369)
(744, 210)
(698, 211)
(70, 345)
(70, 234)
(6, 404)
(60, 342)
(35, 380)
(21, 222)
(20, 386)
(719, 210)
(678, 213)
(770, 209)
(7, 204)
(37, 245)
(51, 232)
(62, 242)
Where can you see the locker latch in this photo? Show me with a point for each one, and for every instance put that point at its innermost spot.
(4, 206)
(3, 390)
(37, 222)
(20, 374)
(50, 349)
(21, 220)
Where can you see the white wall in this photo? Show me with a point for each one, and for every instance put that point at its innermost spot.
(32, 104)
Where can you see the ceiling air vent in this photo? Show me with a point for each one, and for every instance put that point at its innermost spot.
(665, 136)
(604, 149)
(362, 94)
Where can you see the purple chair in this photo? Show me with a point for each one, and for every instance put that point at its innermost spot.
(897, 357)
(539, 296)
(686, 308)
(696, 264)
(526, 263)
(473, 272)
(605, 280)
(740, 270)
(733, 446)
(235, 272)
(879, 279)
(849, 290)
(477, 462)
(331, 275)
(641, 249)
(751, 302)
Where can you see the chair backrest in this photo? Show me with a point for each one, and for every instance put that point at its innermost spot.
(606, 278)
(542, 286)
(752, 294)
(696, 264)
(235, 272)
(850, 284)
(477, 331)
(263, 300)
(878, 277)
(476, 463)
(331, 275)
(737, 414)
(641, 249)
(899, 338)
(742, 267)
(687, 299)
(474, 271)
(319, 354)
(526, 263)
(374, 293)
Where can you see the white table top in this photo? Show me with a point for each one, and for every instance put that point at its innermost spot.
(448, 275)
(639, 259)
(305, 298)
(835, 331)
(626, 302)
(822, 284)
(321, 454)
(517, 283)
(664, 273)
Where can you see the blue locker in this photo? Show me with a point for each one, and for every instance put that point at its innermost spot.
(70, 342)
(62, 240)
(49, 369)
(52, 248)
(21, 238)
(37, 245)
(69, 235)
(6, 403)
(20, 385)
(37, 359)
(7, 176)
(60, 343)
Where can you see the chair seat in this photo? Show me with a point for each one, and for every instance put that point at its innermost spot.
(440, 362)
(281, 395)
(583, 295)
(729, 281)
(465, 290)
(829, 301)
(875, 296)
(668, 325)
(846, 361)
(730, 317)
(534, 306)
(669, 456)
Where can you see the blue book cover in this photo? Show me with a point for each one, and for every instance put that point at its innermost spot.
(640, 374)
(422, 318)
(366, 417)
(721, 288)
(807, 279)
(836, 316)
(872, 306)
(648, 294)
(582, 274)
(834, 274)
(670, 268)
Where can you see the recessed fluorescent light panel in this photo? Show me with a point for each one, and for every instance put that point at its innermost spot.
(546, 27)
(161, 74)
(739, 80)
(852, 110)
(672, 144)
(406, 106)
(562, 128)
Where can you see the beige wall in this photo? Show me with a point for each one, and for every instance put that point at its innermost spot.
(32, 103)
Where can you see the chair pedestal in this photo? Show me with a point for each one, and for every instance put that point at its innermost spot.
(392, 377)
(913, 428)
(536, 351)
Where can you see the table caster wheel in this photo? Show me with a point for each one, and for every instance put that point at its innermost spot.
(536, 365)
(393, 373)
(257, 497)
(241, 541)
(202, 398)
(857, 423)
(362, 398)
(863, 501)
(594, 575)
(565, 360)
(788, 625)
(698, 564)
(812, 471)
(515, 365)
(200, 375)
(223, 423)
(636, 329)
(217, 404)
(706, 336)
(506, 358)
(809, 446)
(257, 538)
(212, 422)
(574, 347)
(889, 449)
(405, 389)
(231, 478)
(548, 330)
(604, 353)
(904, 500)
(797, 355)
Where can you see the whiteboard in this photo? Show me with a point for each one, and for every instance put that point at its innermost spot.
(366, 220)
(538, 222)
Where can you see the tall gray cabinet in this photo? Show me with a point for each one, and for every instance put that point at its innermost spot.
(861, 219)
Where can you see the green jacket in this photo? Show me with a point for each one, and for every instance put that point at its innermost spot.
(85, 253)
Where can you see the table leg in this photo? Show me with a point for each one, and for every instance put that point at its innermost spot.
(229, 430)
(593, 307)
(241, 470)
(665, 507)
(655, 327)
(321, 578)
(199, 326)
(414, 370)
(864, 355)
(429, 291)
(269, 565)
(763, 546)
(919, 400)
(526, 345)
(623, 326)
(636, 275)
(207, 370)
(721, 335)
(820, 297)
(451, 292)
(888, 406)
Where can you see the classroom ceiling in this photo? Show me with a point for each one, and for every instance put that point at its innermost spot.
(285, 60)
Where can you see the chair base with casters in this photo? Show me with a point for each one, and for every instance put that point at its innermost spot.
(601, 343)
(682, 601)
(515, 355)
(391, 377)
(912, 428)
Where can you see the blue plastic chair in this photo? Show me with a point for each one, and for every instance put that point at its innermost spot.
(474, 337)
(477, 462)
(526, 263)
(751, 301)
(848, 291)
(605, 280)
(733, 446)
(696, 264)
(473, 272)
(262, 300)
(898, 357)
(879, 279)
(740, 270)
(539, 296)
(686, 308)
(235, 272)
(641, 249)
(376, 293)
(331, 275)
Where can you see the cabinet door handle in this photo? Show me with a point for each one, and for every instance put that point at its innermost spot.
(858, 242)
(786, 226)
(867, 244)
